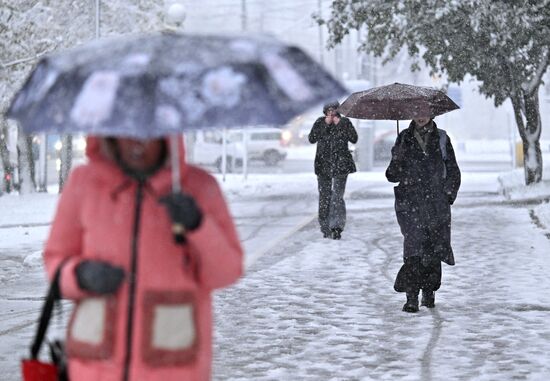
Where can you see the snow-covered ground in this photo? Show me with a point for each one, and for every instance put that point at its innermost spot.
(315, 309)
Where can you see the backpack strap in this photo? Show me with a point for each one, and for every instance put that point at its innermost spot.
(443, 149)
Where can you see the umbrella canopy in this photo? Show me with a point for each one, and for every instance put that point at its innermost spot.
(397, 102)
(162, 84)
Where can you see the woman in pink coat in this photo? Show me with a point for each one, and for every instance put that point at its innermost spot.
(142, 300)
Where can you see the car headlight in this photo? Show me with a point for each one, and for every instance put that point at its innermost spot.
(286, 135)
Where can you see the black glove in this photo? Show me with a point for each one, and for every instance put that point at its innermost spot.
(184, 213)
(98, 277)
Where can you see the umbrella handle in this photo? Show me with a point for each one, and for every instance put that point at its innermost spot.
(397, 126)
(178, 230)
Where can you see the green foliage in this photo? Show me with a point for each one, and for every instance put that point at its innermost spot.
(503, 43)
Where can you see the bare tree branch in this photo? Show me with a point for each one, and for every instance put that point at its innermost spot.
(24, 60)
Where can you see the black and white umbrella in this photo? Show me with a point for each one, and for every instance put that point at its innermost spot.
(162, 84)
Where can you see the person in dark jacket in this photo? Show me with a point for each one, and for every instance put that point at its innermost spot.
(333, 163)
(424, 165)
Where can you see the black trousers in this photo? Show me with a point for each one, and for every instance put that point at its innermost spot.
(332, 207)
(414, 276)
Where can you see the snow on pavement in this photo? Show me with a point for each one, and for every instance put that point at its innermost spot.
(316, 309)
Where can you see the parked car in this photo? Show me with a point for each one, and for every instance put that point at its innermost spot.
(297, 131)
(263, 144)
(207, 150)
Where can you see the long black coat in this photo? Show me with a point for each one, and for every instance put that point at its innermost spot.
(424, 197)
(333, 157)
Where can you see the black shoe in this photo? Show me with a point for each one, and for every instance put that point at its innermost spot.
(336, 233)
(412, 303)
(428, 299)
(327, 235)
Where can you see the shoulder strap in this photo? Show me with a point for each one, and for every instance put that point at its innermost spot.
(443, 144)
(443, 149)
(53, 295)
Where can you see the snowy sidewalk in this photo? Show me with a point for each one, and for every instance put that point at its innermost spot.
(316, 309)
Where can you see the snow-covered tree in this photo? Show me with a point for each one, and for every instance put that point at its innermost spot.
(32, 28)
(29, 30)
(504, 44)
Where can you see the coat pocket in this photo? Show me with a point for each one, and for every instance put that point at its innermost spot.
(91, 329)
(171, 336)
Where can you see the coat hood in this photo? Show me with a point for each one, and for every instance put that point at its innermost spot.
(97, 150)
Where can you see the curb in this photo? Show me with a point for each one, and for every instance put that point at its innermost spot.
(536, 221)
(253, 257)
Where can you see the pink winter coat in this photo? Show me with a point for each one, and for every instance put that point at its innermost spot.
(159, 327)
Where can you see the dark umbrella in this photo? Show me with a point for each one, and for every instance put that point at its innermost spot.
(397, 102)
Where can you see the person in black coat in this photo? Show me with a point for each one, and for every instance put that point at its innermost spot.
(333, 163)
(424, 164)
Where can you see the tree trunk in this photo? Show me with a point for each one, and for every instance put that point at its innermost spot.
(5, 185)
(531, 151)
(8, 180)
(66, 159)
(527, 114)
(31, 159)
(26, 164)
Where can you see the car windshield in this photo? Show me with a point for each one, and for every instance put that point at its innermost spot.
(235, 137)
(265, 136)
(255, 136)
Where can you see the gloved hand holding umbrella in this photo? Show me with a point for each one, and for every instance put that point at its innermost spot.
(184, 212)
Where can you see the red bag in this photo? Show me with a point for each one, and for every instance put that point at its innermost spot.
(35, 370)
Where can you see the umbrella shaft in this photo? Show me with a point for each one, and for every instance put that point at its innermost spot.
(175, 163)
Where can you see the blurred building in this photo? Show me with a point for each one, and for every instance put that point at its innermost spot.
(292, 22)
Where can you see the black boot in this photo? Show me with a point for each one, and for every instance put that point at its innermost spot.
(336, 233)
(428, 299)
(412, 302)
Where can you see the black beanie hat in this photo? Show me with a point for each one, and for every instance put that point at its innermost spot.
(333, 104)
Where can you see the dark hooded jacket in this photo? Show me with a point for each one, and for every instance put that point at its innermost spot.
(427, 188)
(333, 157)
